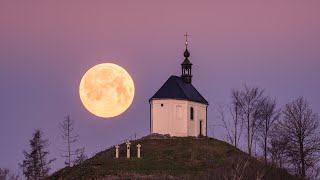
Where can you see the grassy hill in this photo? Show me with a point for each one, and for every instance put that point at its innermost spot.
(173, 158)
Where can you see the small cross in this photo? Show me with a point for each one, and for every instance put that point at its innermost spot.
(186, 35)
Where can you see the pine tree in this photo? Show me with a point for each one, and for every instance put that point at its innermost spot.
(36, 166)
(6, 174)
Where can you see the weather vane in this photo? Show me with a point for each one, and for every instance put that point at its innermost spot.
(186, 35)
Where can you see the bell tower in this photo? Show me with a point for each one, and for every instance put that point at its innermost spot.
(186, 64)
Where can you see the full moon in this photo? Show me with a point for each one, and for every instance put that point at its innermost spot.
(106, 90)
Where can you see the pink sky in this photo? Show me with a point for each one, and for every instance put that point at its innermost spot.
(46, 47)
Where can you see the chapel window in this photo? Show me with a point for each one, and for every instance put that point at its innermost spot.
(191, 113)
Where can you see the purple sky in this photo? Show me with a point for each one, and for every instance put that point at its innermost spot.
(46, 47)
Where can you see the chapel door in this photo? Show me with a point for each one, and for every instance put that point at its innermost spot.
(200, 130)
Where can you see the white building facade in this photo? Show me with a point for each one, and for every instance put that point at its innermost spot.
(177, 108)
(178, 117)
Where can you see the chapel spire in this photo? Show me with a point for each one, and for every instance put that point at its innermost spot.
(186, 64)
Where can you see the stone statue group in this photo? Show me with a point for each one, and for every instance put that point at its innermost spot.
(128, 150)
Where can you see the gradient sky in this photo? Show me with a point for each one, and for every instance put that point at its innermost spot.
(46, 47)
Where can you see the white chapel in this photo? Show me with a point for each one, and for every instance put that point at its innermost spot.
(177, 108)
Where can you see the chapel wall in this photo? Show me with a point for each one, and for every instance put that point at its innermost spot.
(170, 116)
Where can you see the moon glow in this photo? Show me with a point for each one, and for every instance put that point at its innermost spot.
(106, 90)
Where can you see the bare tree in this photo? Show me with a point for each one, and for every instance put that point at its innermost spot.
(269, 115)
(36, 166)
(233, 125)
(81, 157)
(225, 124)
(234, 110)
(68, 135)
(300, 129)
(277, 148)
(250, 101)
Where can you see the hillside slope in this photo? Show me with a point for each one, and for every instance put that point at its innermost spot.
(169, 158)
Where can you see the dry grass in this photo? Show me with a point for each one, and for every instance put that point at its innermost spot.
(165, 157)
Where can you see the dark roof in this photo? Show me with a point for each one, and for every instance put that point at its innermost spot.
(186, 62)
(176, 88)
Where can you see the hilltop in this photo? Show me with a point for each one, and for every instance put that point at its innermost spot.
(165, 157)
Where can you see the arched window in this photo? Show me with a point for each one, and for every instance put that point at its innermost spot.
(191, 113)
(186, 70)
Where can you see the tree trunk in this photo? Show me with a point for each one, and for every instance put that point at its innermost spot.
(235, 128)
(265, 142)
(265, 150)
(303, 168)
(248, 123)
(69, 154)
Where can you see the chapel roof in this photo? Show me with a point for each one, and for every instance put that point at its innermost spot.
(176, 88)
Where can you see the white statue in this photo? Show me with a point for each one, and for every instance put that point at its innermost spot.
(128, 149)
(117, 150)
(138, 150)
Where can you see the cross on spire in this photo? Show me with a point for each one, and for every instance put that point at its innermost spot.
(186, 35)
